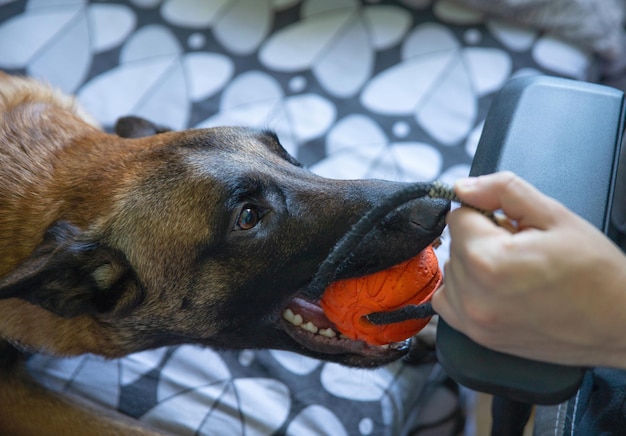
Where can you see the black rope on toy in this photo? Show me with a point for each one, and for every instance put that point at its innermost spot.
(405, 313)
(342, 251)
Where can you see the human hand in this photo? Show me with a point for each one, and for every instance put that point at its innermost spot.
(554, 291)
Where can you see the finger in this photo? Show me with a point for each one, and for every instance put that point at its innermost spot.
(439, 298)
(444, 309)
(465, 224)
(445, 300)
(518, 199)
(440, 302)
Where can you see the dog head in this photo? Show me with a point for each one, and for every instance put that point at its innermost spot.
(207, 236)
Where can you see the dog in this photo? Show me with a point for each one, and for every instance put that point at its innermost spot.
(115, 243)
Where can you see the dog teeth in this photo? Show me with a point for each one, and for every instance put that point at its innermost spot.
(310, 327)
(297, 320)
(329, 333)
(294, 318)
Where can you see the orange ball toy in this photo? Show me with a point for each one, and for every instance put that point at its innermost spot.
(414, 281)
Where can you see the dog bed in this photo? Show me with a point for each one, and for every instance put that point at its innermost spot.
(384, 89)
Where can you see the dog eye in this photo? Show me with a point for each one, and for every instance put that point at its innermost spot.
(248, 218)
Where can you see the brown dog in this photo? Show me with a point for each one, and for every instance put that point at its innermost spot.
(112, 245)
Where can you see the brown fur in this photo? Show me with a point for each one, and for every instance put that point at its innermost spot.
(112, 245)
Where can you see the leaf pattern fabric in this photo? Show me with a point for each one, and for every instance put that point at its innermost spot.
(374, 88)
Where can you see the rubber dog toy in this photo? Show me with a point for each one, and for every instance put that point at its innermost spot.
(346, 302)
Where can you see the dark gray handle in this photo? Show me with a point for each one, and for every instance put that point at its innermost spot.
(563, 136)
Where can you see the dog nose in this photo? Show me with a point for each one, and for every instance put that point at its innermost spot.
(425, 215)
(430, 214)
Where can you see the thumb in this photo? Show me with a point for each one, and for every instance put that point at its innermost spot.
(518, 199)
(440, 302)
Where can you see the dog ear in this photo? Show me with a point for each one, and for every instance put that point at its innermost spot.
(137, 127)
(70, 277)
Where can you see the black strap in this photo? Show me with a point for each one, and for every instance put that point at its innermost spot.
(411, 311)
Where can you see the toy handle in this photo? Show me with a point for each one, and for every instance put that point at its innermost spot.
(564, 137)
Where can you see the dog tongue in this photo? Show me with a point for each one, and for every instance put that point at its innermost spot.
(346, 302)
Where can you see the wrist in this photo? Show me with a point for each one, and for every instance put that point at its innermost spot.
(612, 350)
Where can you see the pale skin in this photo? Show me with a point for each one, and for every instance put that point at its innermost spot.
(553, 291)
